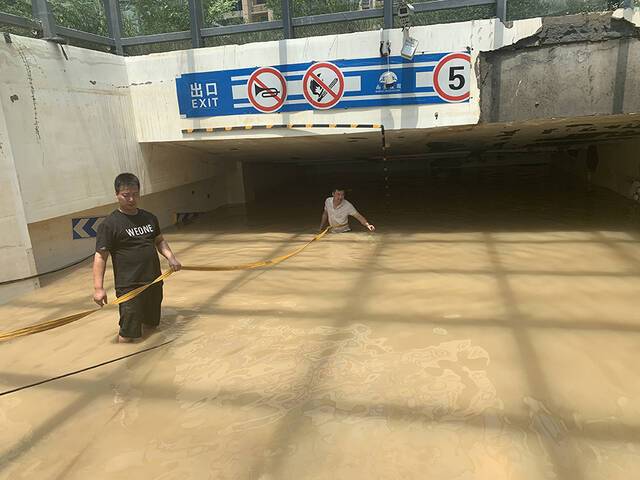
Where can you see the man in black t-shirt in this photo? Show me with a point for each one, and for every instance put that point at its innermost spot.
(132, 237)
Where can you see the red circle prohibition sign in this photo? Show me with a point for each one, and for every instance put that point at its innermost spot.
(255, 83)
(436, 73)
(328, 92)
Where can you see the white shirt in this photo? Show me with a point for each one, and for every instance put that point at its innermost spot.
(339, 215)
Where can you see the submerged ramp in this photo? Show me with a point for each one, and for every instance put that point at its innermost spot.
(490, 333)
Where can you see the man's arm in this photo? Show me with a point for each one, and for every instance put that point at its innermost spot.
(324, 220)
(364, 221)
(99, 267)
(163, 247)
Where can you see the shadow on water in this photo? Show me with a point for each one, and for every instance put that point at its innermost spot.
(533, 198)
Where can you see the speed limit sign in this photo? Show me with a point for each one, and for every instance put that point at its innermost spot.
(451, 77)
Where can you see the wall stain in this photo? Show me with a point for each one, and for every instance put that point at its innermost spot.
(23, 57)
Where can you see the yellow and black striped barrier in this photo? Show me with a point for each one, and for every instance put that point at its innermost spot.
(370, 126)
(374, 126)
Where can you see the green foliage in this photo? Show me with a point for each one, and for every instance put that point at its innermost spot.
(449, 16)
(147, 17)
(216, 10)
(517, 9)
(302, 8)
(339, 28)
(85, 15)
(22, 8)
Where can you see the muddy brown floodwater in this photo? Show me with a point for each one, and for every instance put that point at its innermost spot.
(490, 329)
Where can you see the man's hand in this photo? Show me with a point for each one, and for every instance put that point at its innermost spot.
(174, 264)
(324, 220)
(163, 247)
(100, 296)
(370, 227)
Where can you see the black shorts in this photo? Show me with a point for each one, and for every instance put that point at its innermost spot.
(145, 308)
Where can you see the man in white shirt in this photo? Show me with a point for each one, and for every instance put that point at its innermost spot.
(337, 211)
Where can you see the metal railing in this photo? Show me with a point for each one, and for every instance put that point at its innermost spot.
(44, 22)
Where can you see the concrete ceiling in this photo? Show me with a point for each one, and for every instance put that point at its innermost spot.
(306, 145)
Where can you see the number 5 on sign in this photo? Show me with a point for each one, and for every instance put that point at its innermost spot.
(451, 77)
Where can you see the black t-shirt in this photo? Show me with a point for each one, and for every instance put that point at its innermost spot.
(131, 241)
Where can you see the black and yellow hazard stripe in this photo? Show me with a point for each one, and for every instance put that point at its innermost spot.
(374, 126)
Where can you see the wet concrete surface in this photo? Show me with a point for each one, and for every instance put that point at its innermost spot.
(488, 330)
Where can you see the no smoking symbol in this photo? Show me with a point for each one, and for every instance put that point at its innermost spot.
(267, 89)
(451, 77)
(323, 85)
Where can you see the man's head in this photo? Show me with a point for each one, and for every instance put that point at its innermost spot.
(127, 188)
(338, 194)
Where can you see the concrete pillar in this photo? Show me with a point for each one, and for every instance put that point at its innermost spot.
(16, 259)
(196, 16)
(234, 183)
(388, 14)
(286, 19)
(114, 23)
(42, 12)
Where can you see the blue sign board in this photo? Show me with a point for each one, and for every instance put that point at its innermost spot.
(433, 78)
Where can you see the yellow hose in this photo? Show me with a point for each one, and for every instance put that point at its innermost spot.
(58, 322)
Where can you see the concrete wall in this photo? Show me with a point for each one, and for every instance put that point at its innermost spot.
(617, 165)
(67, 128)
(53, 243)
(264, 179)
(71, 125)
(573, 66)
(152, 78)
(16, 255)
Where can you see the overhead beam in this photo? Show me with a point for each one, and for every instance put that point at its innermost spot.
(243, 28)
(157, 38)
(17, 21)
(501, 10)
(449, 4)
(338, 17)
(114, 23)
(85, 36)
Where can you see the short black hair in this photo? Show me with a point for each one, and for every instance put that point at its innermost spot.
(340, 189)
(126, 180)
